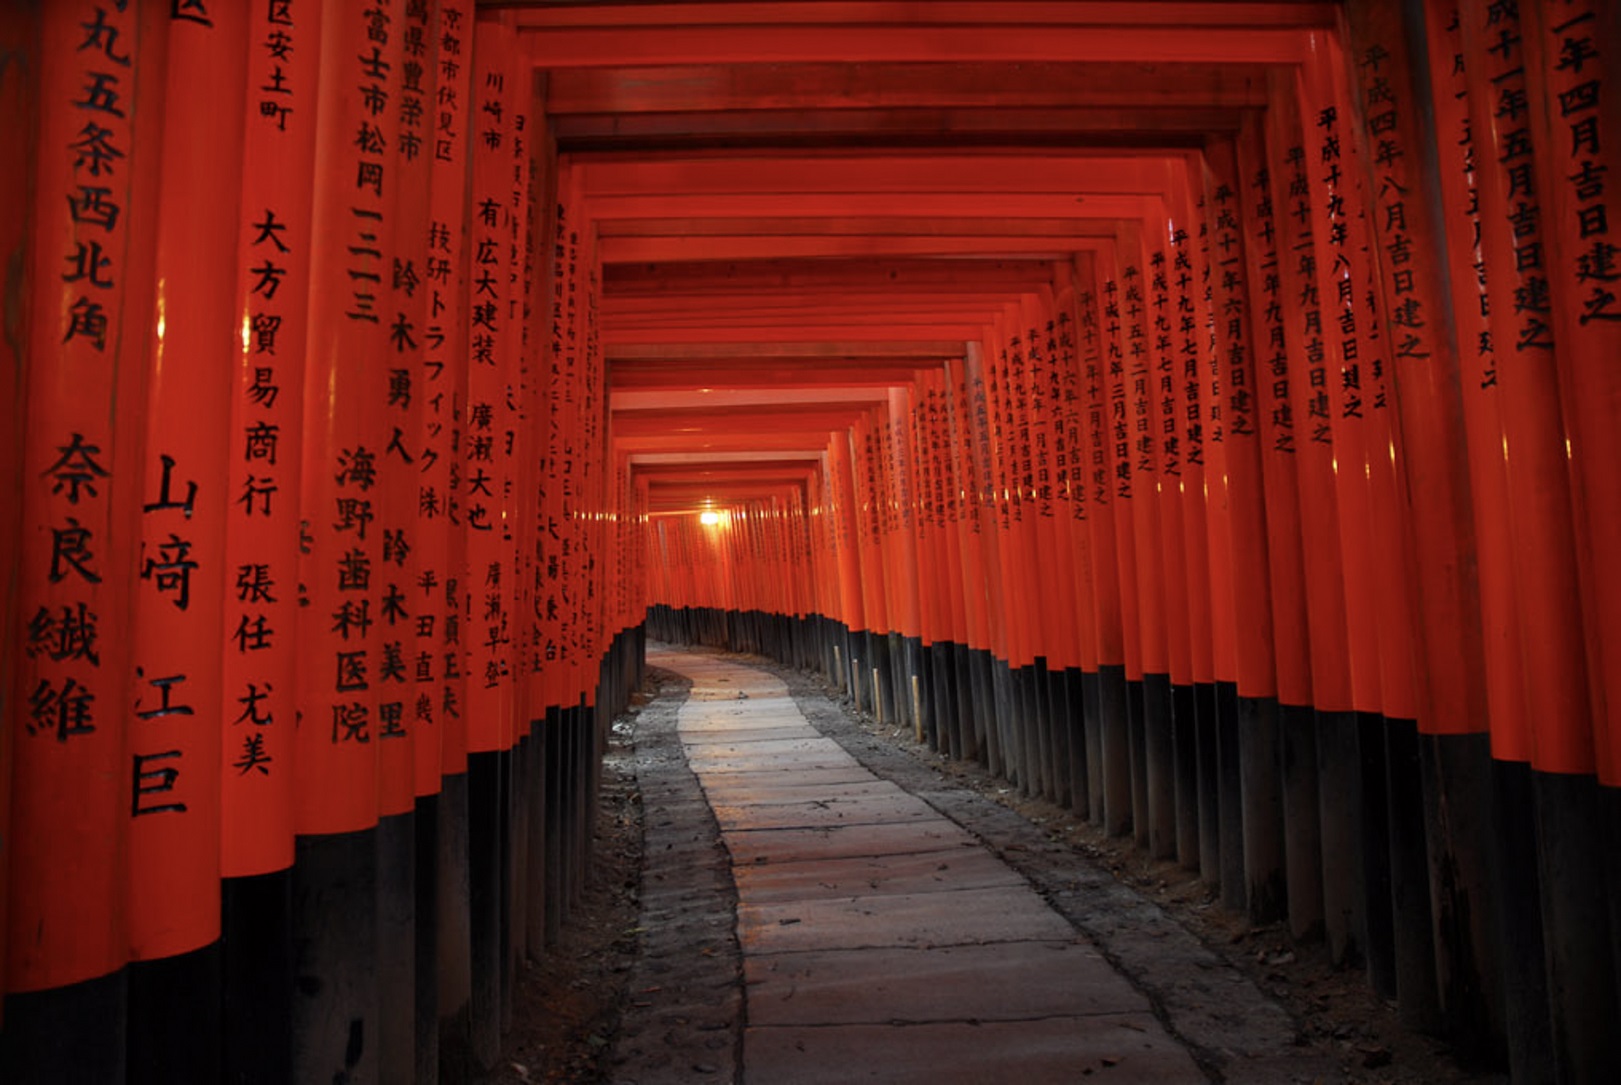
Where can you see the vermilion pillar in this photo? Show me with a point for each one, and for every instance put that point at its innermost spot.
(440, 590)
(270, 326)
(174, 741)
(487, 452)
(87, 340)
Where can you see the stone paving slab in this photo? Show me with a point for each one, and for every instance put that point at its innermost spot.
(771, 750)
(780, 790)
(1118, 1048)
(844, 841)
(810, 761)
(752, 786)
(923, 872)
(811, 813)
(998, 982)
(696, 736)
(739, 717)
(955, 917)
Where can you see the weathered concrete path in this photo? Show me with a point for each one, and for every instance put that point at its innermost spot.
(880, 941)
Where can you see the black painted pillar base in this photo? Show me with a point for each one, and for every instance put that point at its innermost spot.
(1375, 847)
(1574, 850)
(1207, 739)
(1056, 686)
(455, 934)
(1518, 882)
(175, 1019)
(943, 733)
(1419, 1000)
(1265, 880)
(556, 790)
(73, 1033)
(1001, 759)
(426, 936)
(335, 1015)
(1185, 769)
(1457, 773)
(1092, 739)
(1302, 826)
(1115, 748)
(396, 946)
(534, 754)
(1027, 722)
(1160, 765)
(966, 704)
(256, 921)
(1230, 785)
(1073, 722)
(1137, 758)
(1339, 809)
(484, 904)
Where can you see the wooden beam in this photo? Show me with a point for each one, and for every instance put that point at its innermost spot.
(743, 375)
(797, 174)
(921, 13)
(642, 250)
(753, 444)
(604, 46)
(809, 457)
(1114, 127)
(774, 276)
(747, 88)
(753, 337)
(810, 347)
(1125, 202)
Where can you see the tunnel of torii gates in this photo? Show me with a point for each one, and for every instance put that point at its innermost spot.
(1204, 415)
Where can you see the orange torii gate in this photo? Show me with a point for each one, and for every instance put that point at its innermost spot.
(1199, 413)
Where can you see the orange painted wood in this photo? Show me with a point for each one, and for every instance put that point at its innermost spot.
(342, 631)
(597, 46)
(1099, 478)
(400, 720)
(1274, 417)
(1212, 437)
(691, 89)
(1367, 410)
(271, 323)
(775, 276)
(1140, 363)
(1570, 50)
(1113, 126)
(1239, 433)
(1482, 428)
(19, 105)
(84, 369)
(1012, 12)
(683, 244)
(1305, 329)
(1541, 530)
(1190, 335)
(175, 737)
(1082, 176)
(440, 593)
(971, 448)
(488, 452)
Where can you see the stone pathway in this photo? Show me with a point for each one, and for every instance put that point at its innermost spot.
(879, 940)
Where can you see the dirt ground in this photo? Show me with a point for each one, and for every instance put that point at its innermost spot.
(568, 1005)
